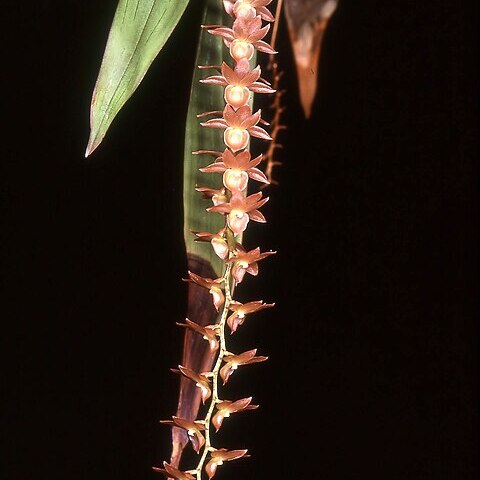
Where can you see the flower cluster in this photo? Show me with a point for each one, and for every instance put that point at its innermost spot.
(237, 168)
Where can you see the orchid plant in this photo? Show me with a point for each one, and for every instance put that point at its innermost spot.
(219, 174)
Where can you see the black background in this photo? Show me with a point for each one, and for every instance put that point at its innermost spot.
(373, 343)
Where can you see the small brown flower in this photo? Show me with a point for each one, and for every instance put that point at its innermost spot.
(232, 362)
(217, 240)
(239, 125)
(239, 82)
(213, 287)
(171, 472)
(208, 333)
(217, 196)
(240, 311)
(243, 8)
(201, 381)
(218, 457)
(194, 430)
(247, 262)
(244, 37)
(226, 408)
(241, 210)
(237, 169)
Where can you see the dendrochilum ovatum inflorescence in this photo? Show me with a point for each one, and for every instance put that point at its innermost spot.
(251, 24)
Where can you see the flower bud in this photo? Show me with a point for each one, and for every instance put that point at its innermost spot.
(211, 468)
(218, 297)
(237, 96)
(237, 220)
(217, 419)
(206, 393)
(235, 180)
(244, 10)
(236, 138)
(220, 247)
(219, 198)
(240, 49)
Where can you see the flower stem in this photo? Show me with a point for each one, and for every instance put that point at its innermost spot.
(216, 370)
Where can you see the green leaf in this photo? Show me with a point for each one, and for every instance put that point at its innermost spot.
(139, 31)
(201, 257)
(203, 98)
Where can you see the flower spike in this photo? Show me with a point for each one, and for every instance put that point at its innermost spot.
(235, 165)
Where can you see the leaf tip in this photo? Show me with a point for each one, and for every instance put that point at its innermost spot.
(93, 143)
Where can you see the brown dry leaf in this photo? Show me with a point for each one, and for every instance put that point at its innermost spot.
(307, 21)
(196, 355)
